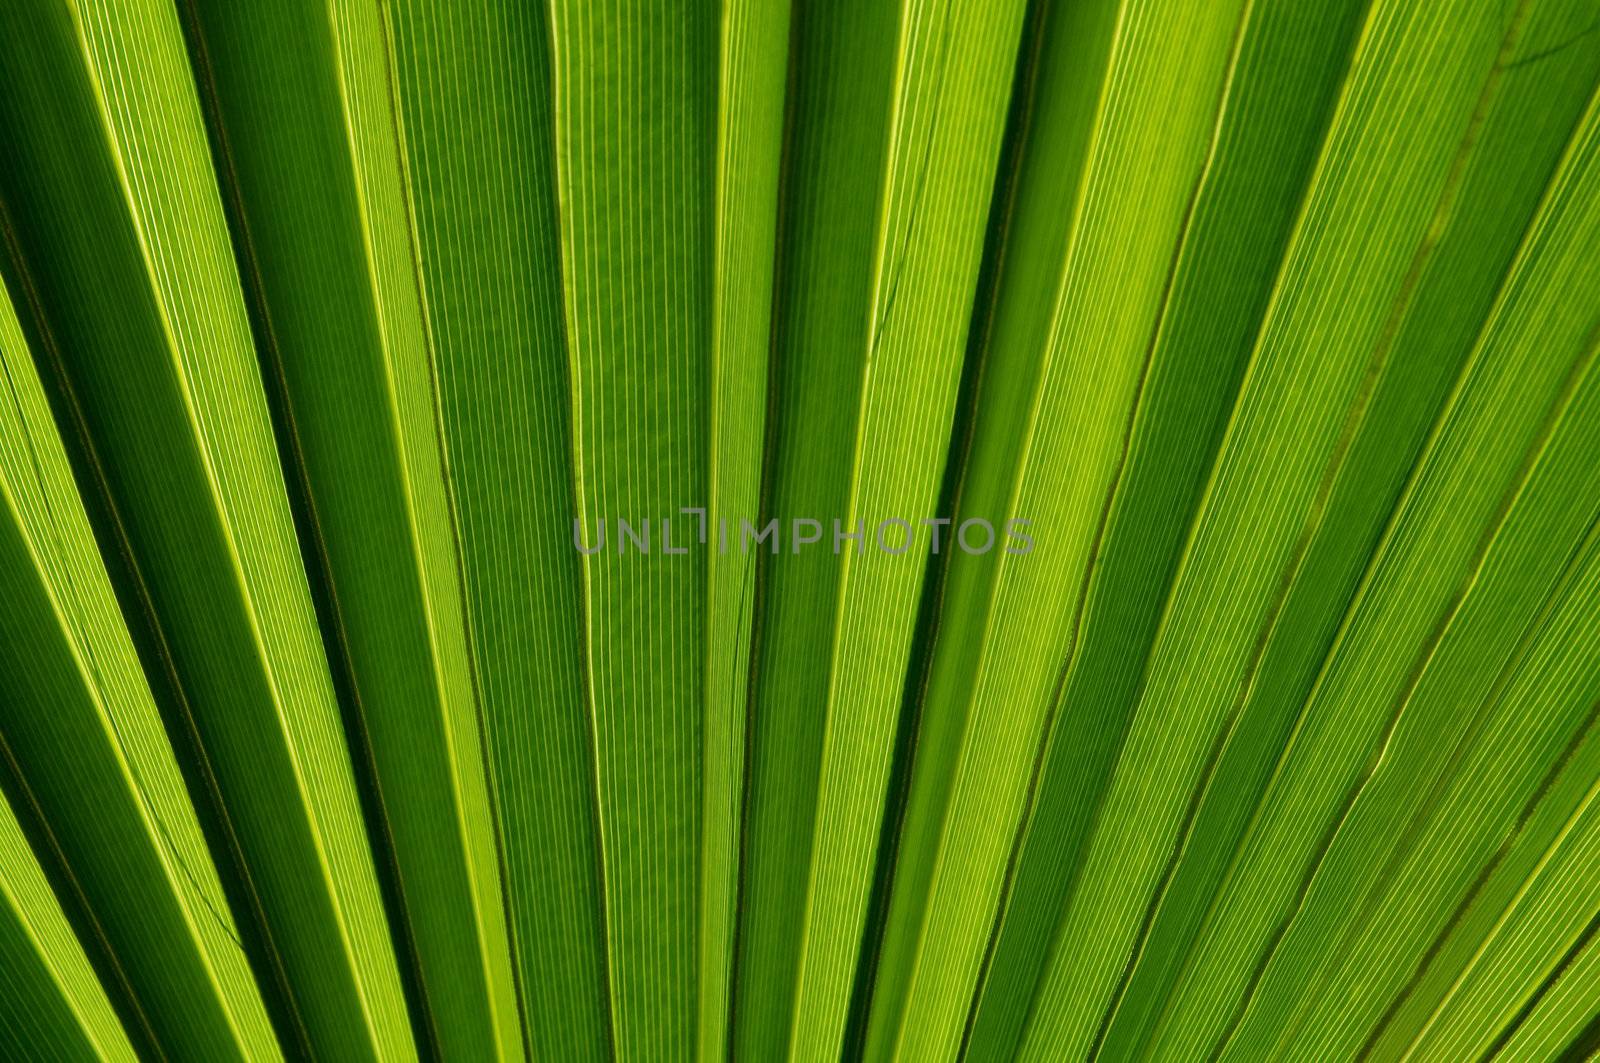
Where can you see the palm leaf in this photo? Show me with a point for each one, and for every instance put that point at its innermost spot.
(341, 320)
(89, 751)
(894, 158)
(923, 530)
(139, 317)
(482, 183)
(53, 1005)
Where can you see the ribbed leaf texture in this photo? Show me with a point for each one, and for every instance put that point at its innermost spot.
(889, 530)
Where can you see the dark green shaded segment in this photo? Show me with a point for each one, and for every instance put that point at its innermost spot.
(477, 101)
(135, 313)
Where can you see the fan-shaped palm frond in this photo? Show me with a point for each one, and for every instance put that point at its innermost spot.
(815, 529)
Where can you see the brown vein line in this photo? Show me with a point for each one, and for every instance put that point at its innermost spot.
(1552, 419)
(1555, 49)
(1403, 847)
(1584, 1043)
(1375, 369)
(1157, 330)
(1224, 736)
(318, 573)
(1577, 1048)
(136, 777)
(1418, 821)
(150, 642)
(1481, 880)
(75, 905)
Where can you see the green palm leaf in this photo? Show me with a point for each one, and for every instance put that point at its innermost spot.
(117, 228)
(342, 323)
(53, 1005)
(923, 530)
(86, 743)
